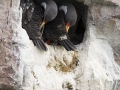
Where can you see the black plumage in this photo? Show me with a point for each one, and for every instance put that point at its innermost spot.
(35, 15)
(55, 31)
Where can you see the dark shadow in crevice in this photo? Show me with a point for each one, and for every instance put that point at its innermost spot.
(76, 33)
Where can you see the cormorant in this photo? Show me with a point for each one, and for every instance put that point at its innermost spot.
(36, 13)
(56, 31)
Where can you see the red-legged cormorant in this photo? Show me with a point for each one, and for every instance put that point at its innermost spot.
(36, 13)
(56, 31)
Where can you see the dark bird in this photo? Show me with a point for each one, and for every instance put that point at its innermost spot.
(56, 31)
(36, 13)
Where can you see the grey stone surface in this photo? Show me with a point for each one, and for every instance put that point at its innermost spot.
(95, 66)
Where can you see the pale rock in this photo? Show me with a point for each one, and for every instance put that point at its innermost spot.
(94, 66)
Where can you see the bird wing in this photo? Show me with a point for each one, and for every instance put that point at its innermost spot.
(28, 8)
(32, 16)
(55, 31)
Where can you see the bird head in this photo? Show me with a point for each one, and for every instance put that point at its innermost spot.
(50, 10)
(70, 14)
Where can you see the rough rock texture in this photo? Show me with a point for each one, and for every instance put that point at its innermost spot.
(95, 66)
(9, 52)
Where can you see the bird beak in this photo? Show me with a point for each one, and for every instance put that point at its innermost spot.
(43, 23)
(67, 26)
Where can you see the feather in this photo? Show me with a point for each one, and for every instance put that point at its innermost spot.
(32, 18)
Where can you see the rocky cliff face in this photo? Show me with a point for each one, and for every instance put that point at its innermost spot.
(9, 51)
(95, 66)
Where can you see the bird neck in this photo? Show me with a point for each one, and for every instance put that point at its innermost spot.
(61, 15)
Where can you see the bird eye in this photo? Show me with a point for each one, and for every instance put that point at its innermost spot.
(68, 20)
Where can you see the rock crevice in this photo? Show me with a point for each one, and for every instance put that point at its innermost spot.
(94, 66)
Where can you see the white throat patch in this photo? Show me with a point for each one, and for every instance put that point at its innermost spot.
(43, 4)
(64, 8)
(63, 37)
